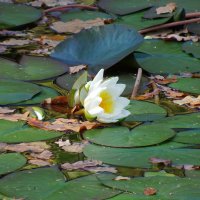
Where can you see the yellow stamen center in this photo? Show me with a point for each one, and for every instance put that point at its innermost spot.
(107, 102)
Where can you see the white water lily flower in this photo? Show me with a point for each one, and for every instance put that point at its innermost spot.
(103, 100)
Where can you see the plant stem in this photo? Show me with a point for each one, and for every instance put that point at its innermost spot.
(61, 8)
(137, 83)
(192, 15)
(169, 25)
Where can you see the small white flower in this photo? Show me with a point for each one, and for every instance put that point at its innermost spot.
(103, 100)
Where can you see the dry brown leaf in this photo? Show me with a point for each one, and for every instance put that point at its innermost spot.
(169, 8)
(39, 162)
(2, 146)
(150, 191)
(15, 117)
(15, 42)
(171, 93)
(190, 100)
(159, 160)
(51, 3)
(165, 80)
(101, 169)
(62, 143)
(5, 110)
(45, 155)
(62, 124)
(75, 147)
(75, 69)
(147, 95)
(36, 147)
(122, 178)
(76, 25)
(81, 164)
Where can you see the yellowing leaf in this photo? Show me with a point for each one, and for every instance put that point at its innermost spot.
(169, 8)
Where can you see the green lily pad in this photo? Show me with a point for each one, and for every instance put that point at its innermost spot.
(144, 111)
(140, 157)
(16, 132)
(13, 91)
(98, 47)
(84, 15)
(124, 7)
(129, 196)
(45, 93)
(13, 15)
(49, 183)
(10, 162)
(175, 187)
(190, 85)
(188, 137)
(192, 48)
(144, 135)
(137, 21)
(161, 57)
(32, 68)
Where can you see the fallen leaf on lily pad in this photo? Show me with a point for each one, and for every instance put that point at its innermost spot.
(122, 178)
(39, 162)
(15, 117)
(76, 25)
(75, 69)
(5, 110)
(76, 147)
(164, 80)
(62, 124)
(149, 95)
(150, 191)
(35, 147)
(45, 155)
(159, 160)
(15, 42)
(169, 8)
(190, 100)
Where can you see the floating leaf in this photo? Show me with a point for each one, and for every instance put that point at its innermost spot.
(140, 157)
(84, 15)
(45, 93)
(190, 85)
(145, 111)
(15, 132)
(176, 187)
(143, 135)
(192, 48)
(161, 57)
(32, 68)
(10, 162)
(13, 15)
(49, 183)
(123, 7)
(106, 45)
(13, 91)
(137, 21)
(188, 137)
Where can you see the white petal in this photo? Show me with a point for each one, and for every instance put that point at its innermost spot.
(116, 90)
(110, 82)
(97, 79)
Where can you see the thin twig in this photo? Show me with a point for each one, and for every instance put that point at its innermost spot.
(137, 83)
(60, 8)
(169, 25)
(192, 15)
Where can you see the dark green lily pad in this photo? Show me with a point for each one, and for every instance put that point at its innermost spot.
(140, 157)
(98, 47)
(32, 68)
(144, 111)
(49, 183)
(13, 91)
(16, 132)
(137, 21)
(192, 48)
(45, 93)
(187, 121)
(188, 137)
(12, 15)
(124, 7)
(10, 162)
(84, 15)
(144, 135)
(173, 187)
(161, 57)
(190, 85)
